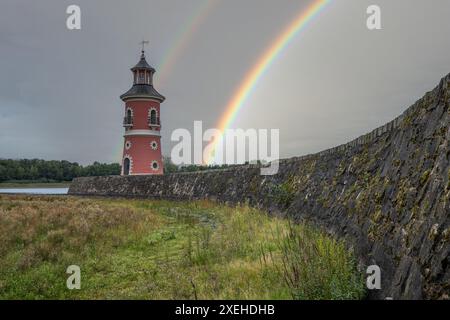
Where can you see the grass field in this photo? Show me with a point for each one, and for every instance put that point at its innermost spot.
(139, 249)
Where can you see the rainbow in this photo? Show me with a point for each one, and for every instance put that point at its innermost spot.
(172, 54)
(263, 64)
(184, 36)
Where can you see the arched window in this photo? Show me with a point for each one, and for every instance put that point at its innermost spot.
(128, 120)
(126, 166)
(153, 117)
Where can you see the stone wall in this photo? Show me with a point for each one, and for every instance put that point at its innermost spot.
(386, 192)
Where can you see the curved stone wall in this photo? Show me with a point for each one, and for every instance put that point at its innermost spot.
(386, 192)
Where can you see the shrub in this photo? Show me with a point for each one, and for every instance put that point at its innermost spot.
(315, 266)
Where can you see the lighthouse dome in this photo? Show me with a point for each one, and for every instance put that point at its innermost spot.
(142, 91)
(143, 64)
(143, 82)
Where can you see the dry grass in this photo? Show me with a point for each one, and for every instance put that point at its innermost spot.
(133, 249)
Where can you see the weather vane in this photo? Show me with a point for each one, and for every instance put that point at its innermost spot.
(143, 43)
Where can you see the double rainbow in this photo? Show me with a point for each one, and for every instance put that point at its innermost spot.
(184, 36)
(187, 32)
(263, 64)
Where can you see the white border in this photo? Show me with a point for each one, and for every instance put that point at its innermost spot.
(142, 98)
(157, 167)
(150, 116)
(142, 132)
(127, 156)
(126, 111)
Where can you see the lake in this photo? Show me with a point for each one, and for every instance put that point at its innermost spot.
(35, 190)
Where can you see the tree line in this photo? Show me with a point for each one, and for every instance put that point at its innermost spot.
(37, 170)
(52, 171)
(170, 167)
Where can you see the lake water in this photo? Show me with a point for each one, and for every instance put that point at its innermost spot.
(36, 190)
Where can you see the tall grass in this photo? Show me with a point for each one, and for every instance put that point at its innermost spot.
(136, 249)
(318, 267)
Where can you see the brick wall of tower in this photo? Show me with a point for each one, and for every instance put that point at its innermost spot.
(141, 112)
(143, 150)
(142, 155)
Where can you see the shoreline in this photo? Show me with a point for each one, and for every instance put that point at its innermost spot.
(37, 185)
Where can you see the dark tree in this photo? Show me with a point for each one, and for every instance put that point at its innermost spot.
(36, 170)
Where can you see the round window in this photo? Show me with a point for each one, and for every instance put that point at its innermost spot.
(155, 165)
(154, 145)
(128, 145)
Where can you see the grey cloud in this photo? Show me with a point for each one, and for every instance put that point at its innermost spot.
(59, 89)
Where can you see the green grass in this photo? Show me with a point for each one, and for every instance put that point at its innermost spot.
(136, 249)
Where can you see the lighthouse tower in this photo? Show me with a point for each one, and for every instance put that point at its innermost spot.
(142, 122)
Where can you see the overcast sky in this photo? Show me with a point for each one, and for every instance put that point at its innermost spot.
(59, 89)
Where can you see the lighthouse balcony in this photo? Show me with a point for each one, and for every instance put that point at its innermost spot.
(128, 122)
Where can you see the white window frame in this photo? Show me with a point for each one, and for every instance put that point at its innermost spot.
(157, 165)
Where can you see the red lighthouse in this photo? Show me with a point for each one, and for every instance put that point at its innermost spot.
(142, 138)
